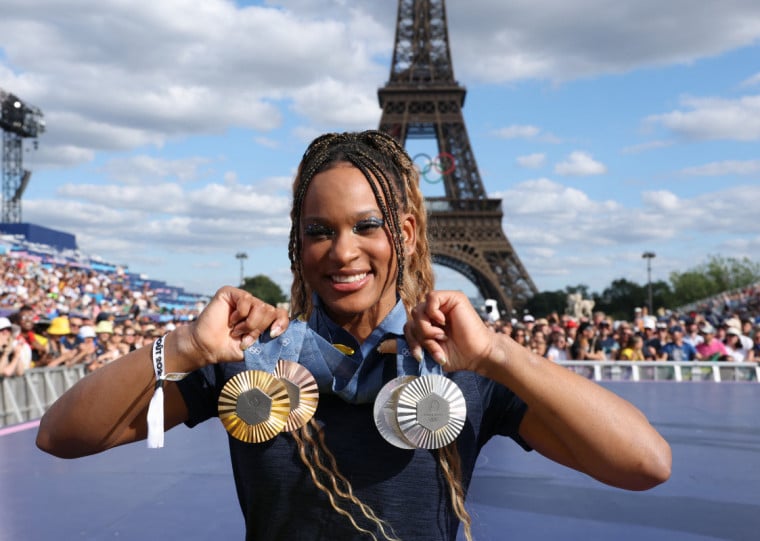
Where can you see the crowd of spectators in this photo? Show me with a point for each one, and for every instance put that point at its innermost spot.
(61, 315)
(726, 328)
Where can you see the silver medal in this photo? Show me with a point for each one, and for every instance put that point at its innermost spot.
(431, 411)
(385, 412)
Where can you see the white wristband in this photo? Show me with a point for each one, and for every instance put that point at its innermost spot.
(156, 406)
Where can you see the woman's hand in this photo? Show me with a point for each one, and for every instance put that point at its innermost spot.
(231, 322)
(447, 326)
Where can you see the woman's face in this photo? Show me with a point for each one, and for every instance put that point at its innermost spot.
(348, 256)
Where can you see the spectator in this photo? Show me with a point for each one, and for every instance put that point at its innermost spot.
(11, 351)
(538, 343)
(607, 342)
(519, 335)
(734, 347)
(692, 335)
(571, 331)
(26, 319)
(586, 346)
(679, 349)
(130, 338)
(653, 346)
(557, 346)
(710, 349)
(634, 349)
(754, 354)
(56, 354)
(89, 347)
(72, 340)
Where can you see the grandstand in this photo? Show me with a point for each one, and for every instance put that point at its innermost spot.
(51, 248)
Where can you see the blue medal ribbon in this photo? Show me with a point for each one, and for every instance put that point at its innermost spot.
(356, 379)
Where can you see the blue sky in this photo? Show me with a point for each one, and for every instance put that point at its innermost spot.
(174, 127)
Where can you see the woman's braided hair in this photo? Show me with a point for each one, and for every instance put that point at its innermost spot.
(395, 182)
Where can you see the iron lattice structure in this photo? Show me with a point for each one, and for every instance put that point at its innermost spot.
(18, 121)
(423, 100)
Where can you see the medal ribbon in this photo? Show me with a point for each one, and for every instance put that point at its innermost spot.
(356, 382)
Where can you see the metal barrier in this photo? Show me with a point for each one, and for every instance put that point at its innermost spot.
(665, 370)
(26, 397)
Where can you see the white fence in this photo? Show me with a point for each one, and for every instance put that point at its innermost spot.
(27, 397)
(665, 370)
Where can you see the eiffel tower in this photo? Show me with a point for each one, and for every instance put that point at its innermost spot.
(422, 100)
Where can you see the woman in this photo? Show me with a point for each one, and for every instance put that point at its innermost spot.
(634, 349)
(734, 347)
(360, 259)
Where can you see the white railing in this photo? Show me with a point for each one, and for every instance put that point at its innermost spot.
(27, 397)
(665, 370)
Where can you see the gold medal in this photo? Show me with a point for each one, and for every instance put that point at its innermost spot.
(302, 391)
(431, 411)
(254, 406)
(385, 412)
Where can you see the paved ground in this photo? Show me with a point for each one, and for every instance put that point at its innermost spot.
(132, 493)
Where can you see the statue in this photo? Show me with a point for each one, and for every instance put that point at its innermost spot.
(578, 307)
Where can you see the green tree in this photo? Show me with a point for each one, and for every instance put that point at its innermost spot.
(715, 276)
(620, 298)
(546, 302)
(264, 288)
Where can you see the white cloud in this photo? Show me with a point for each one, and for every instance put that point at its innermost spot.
(526, 131)
(751, 81)
(532, 161)
(580, 164)
(144, 169)
(726, 167)
(558, 41)
(644, 147)
(714, 118)
(516, 131)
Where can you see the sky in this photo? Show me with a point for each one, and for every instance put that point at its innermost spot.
(607, 128)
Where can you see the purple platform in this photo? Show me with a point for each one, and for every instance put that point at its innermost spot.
(185, 491)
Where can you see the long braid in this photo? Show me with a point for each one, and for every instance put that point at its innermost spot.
(319, 448)
(451, 465)
(394, 180)
(321, 486)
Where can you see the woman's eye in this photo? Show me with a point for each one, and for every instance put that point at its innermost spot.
(316, 231)
(369, 225)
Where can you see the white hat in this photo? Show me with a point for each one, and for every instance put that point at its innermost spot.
(87, 331)
(706, 328)
(5, 323)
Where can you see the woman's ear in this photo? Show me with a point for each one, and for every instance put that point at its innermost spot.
(409, 233)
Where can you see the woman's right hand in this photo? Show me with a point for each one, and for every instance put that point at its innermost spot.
(231, 322)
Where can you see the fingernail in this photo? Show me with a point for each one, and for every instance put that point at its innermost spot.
(246, 341)
(441, 358)
(417, 352)
(275, 331)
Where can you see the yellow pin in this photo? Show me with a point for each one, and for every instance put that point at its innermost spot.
(344, 349)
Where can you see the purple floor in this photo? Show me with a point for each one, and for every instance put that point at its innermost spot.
(185, 490)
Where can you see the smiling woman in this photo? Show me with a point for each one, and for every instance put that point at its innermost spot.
(333, 392)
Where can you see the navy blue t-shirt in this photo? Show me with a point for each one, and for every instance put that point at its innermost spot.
(405, 488)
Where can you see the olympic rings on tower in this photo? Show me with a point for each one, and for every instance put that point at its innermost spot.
(443, 164)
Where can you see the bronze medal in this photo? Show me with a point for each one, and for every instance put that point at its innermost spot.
(302, 391)
(254, 406)
(431, 411)
(385, 412)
